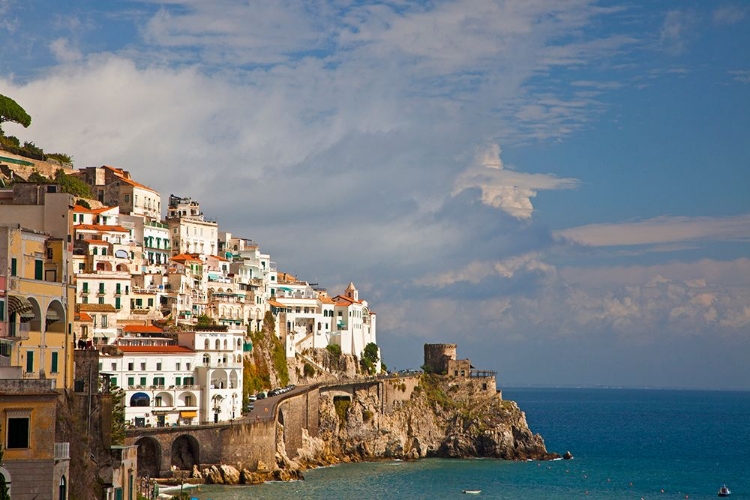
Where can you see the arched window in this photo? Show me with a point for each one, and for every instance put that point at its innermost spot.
(63, 491)
(217, 345)
(206, 345)
(206, 359)
(318, 325)
(225, 344)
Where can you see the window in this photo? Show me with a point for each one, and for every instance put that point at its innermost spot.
(158, 366)
(187, 366)
(178, 381)
(2, 310)
(13, 266)
(104, 317)
(143, 365)
(157, 401)
(131, 381)
(130, 366)
(118, 303)
(150, 302)
(53, 367)
(114, 367)
(188, 400)
(50, 254)
(117, 288)
(143, 380)
(158, 380)
(85, 300)
(206, 359)
(38, 269)
(85, 287)
(18, 432)
(101, 287)
(188, 381)
(101, 300)
(29, 361)
(177, 366)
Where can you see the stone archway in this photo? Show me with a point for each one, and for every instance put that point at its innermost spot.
(149, 457)
(185, 452)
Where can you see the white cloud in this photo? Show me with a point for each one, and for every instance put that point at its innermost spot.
(676, 31)
(729, 14)
(664, 229)
(505, 189)
(742, 76)
(64, 52)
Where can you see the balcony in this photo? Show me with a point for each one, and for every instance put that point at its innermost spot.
(62, 451)
(19, 331)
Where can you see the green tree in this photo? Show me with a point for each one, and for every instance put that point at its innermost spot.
(72, 185)
(118, 416)
(11, 111)
(370, 357)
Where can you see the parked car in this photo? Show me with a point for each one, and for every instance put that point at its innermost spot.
(252, 397)
(261, 395)
(250, 407)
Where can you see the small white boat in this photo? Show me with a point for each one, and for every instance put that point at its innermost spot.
(472, 492)
(724, 491)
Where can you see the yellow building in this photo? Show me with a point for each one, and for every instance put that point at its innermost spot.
(37, 296)
(34, 465)
(35, 304)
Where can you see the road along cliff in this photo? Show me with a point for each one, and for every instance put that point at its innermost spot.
(436, 416)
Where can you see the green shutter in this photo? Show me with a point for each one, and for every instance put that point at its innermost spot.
(143, 381)
(2, 310)
(117, 302)
(53, 368)
(178, 381)
(38, 269)
(131, 381)
(85, 287)
(29, 361)
(13, 266)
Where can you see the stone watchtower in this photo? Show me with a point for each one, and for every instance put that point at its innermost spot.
(437, 356)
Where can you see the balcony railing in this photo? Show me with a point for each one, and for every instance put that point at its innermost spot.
(62, 451)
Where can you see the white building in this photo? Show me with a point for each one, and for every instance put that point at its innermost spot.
(198, 380)
(189, 230)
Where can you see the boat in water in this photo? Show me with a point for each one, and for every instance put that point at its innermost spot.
(724, 491)
(472, 492)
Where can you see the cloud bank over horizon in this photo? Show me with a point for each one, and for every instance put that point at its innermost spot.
(560, 180)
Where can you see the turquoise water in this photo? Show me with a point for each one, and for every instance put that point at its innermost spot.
(626, 443)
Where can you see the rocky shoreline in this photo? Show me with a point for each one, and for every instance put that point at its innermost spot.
(443, 417)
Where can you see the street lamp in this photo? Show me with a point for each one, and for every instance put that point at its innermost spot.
(234, 403)
(217, 408)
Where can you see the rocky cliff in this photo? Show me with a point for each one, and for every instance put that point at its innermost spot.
(442, 417)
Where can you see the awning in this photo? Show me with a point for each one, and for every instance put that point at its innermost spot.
(18, 304)
(52, 317)
(188, 414)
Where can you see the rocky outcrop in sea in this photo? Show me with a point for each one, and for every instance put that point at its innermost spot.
(444, 417)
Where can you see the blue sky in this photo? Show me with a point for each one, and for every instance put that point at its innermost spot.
(561, 188)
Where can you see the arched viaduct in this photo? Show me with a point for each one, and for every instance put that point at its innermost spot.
(244, 442)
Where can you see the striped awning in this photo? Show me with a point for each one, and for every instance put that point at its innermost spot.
(52, 317)
(19, 304)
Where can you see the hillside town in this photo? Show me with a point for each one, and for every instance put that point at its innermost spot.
(155, 299)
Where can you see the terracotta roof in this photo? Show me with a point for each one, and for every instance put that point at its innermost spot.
(219, 257)
(275, 303)
(97, 242)
(325, 299)
(82, 316)
(82, 209)
(121, 175)
(101, 227)
(142, 329)
(97, 307)
(185, 257)
(177, 349)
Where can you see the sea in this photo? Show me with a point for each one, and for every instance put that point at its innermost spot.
(626, 444)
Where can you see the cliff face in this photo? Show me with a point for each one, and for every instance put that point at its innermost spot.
(441, 418)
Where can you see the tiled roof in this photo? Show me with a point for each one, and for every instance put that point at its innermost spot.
(120, 173)
(82, 316)
(97, 307)
(97, 242)
(325, 299)
(101, 227)
(168, 349)
(275, 303)
(185, 257)
(82, 209)
(142, 329)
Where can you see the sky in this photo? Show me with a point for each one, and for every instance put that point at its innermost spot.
(560, 188)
